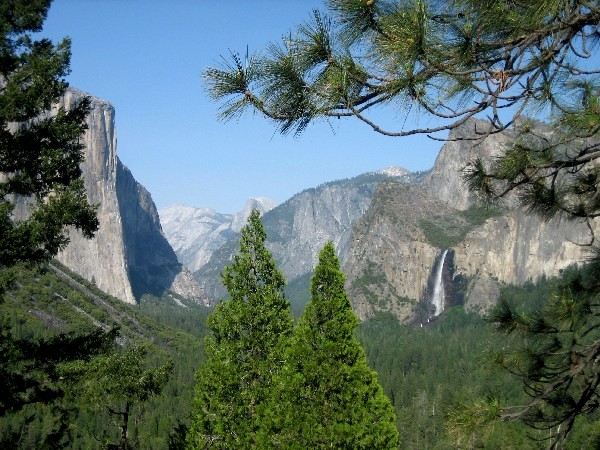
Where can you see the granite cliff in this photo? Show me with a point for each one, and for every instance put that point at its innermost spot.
(390, 259)
(407, 242)
(129, 255)
(396, 247)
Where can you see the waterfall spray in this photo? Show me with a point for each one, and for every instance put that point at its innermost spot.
(438, 296)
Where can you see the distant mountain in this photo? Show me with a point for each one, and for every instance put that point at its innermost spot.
(298, 228)
(195, 233)
(394, 171)
(263, 204)
(411, 231)
(411, 244)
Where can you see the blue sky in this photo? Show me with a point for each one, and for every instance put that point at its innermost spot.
(146, 58)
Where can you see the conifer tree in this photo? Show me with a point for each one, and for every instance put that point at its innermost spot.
(326, 395)
(40, 157)
(40, 154)
(116, 383)
(507, 60)
(249, 333)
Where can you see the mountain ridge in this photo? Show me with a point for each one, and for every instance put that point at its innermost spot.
(390, 233)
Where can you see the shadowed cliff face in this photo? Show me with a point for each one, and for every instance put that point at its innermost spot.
(101, 259)
(151, 262)
(129, 256)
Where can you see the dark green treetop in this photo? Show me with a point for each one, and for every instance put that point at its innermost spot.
(117, 382)
(326, 396)
(40, 153)
(40, 156)
(249, 332)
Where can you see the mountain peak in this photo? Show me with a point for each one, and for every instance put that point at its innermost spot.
(263, 204)
(393, 171)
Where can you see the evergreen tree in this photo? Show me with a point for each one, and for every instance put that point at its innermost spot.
(451, 61)
(326, 396)
(249, 333)
(29, 368)
(116, 382)
(40, 154)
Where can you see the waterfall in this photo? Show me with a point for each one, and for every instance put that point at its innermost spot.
(437, 298)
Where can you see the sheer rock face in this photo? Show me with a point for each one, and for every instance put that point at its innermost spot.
(302, 226)
(129, 255)
(445, 179)
(391, 259)
(299, 228)
(101, 259)
(514, 249)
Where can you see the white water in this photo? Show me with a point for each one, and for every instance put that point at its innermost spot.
(437, 298)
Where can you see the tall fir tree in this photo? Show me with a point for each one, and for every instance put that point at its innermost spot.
(507, 60)
(326, 395)
(40, 157)
(250, 331)
(40, 154)
(118, 383)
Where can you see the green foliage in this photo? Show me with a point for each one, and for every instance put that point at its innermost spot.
(451, 60)
(190, 317)
(40, 155)
(116, 378)
(431, 372)
(442, 233)
(249, 333)
(30, 368)
(326, 396)
(116, 382)
(454, 61)
(447, 232)
(556, 353)
(42, 307)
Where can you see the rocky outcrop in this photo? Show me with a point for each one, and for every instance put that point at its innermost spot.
(391, 229)
(101, 259)
(390, 258)
(445, 181)
(262, 204)
(298, 230)
(129, 256)
(516, 248)
(396, 245)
